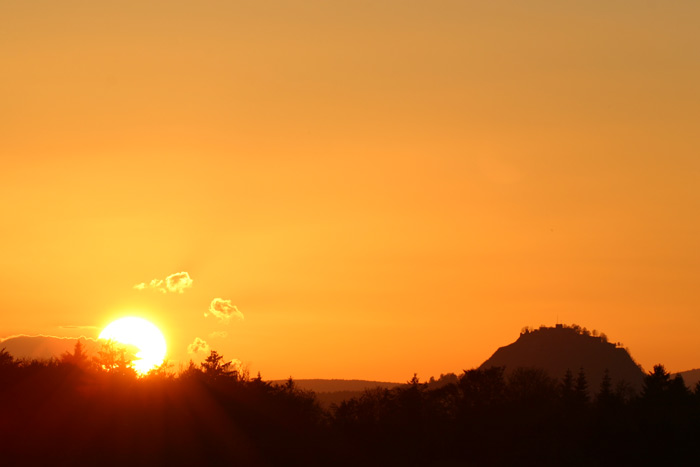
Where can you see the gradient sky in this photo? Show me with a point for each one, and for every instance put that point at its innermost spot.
(381, 187)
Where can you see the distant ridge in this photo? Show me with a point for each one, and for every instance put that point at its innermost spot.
(44, 347)
(336, 385)
(690, 377)
(335, 391)
(556, 349)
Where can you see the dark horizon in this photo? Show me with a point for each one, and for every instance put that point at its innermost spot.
(81, 411)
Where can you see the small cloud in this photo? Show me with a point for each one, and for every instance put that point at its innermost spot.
(155, 284)
(177, 283)
(68, 326)
(198, 345)
(223, 309)
(218, 334)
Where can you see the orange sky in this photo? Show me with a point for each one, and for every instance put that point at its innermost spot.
(381, 188)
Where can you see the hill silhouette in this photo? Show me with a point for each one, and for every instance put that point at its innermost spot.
(561, 348)
(691, 377)
(335, 391)
(336, 385)
(45, 347)
(82, 410)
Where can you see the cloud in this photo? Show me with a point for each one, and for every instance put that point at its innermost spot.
(69, 326)
(155, 284)
(176, 283)
(198, 345)
(218, 334)
(223, 309)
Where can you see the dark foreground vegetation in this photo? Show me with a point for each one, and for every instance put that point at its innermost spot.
(82, 411)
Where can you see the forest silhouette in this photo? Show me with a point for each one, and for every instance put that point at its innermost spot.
(95, 410)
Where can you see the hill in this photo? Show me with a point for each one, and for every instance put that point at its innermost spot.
(44, 347)
(337, 385)
(556, 349)
(690, 377)
(335, 391)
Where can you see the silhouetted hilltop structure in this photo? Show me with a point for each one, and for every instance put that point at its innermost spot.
(561, 348)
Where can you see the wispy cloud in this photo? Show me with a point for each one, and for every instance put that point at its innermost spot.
(70, 326)
(176, 283)
(197, 346)
(218, 334)
(155, 284)
(224, 310)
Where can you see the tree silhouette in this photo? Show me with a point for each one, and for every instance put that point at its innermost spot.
(5, 358)
(605, 397)
(605, 385)
(214, 366)
(678, 391)
(531, 386)
(78, 358)
(482, 387)
(162, 371)
(567, 388)
(656, 383)
(116, 359)
(581, 389)
(210, 414)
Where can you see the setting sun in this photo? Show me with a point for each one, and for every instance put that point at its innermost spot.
(143, 335)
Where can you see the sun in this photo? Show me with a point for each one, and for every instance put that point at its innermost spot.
(143, 335)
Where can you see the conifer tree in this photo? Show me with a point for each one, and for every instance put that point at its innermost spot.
(581, 389)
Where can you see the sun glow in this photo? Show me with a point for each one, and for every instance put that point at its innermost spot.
(143, 335)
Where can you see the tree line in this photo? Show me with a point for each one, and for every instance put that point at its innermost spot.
(81, 410)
